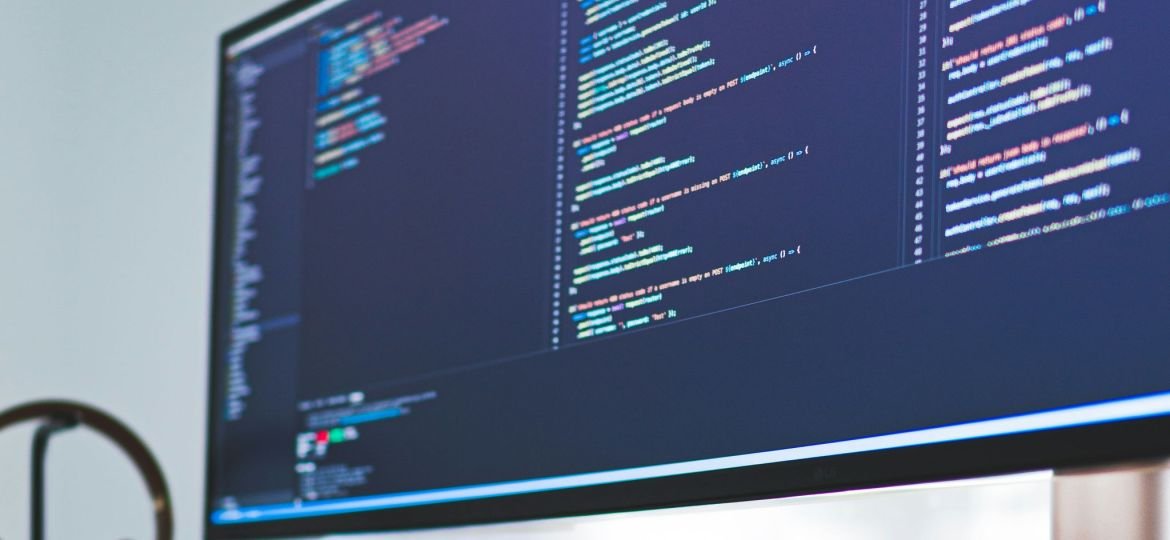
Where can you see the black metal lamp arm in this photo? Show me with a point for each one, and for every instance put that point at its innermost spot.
(62, 415)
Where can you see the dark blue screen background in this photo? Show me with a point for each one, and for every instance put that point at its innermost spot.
(442, 262)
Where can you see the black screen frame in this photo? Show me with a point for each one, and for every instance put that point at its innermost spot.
(1059, 448)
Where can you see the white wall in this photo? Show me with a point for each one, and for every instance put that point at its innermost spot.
(1007, 508)
(106, 125)
(106, 119)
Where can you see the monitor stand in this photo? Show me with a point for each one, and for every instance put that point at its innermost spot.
(1125, 502)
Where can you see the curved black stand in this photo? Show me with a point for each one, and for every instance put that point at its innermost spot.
(48, 427)
(62, 415)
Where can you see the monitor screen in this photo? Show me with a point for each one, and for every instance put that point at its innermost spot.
(480, 261)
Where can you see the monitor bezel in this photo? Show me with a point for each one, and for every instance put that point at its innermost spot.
(1127, 440)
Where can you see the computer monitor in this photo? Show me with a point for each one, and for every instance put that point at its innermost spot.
(502, 260)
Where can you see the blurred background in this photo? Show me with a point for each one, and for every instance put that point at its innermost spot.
(106, 137)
